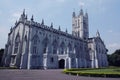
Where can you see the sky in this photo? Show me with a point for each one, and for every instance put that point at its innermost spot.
(104, 15)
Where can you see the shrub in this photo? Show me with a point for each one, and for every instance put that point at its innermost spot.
(106, 72)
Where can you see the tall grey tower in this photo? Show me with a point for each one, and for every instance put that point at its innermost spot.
(80, 25)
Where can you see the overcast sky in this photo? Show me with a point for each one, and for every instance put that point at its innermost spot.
(104, 15)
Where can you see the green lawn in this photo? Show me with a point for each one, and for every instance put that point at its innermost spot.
(103, 72)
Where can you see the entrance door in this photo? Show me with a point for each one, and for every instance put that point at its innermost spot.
(61, 64)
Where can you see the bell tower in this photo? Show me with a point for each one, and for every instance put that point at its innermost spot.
(80, 25)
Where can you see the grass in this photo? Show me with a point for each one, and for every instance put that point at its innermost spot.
(100, 72)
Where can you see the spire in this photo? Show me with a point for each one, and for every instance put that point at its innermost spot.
(86, 14)
(81, 12)
(23, 12)
(22, 18)
(97, 34)
(42, 22)
(59, 28)
(32, 18)
(66, 30)
(51, 25)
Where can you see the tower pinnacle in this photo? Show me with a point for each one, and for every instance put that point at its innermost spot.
(81, 12)
(97, 34)
(32, 18)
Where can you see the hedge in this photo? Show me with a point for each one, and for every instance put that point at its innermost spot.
(82, 72)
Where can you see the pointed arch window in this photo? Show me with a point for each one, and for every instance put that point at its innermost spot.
(70, 47)
(35, 44)
(35, 40)
(45, 45)
(54, 47)
(35, 50)
(24, 43)
(17, 40)
(62, 48)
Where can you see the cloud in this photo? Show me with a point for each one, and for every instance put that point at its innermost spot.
(60, 0)
(110, 31)
(114, 45)
(81, 4)
(0, 12)
(14, 16)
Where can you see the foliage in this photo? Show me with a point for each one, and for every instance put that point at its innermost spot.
(1, 54)
(103, 72)
(114, 59)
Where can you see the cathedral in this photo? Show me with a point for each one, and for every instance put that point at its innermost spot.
(33, 45)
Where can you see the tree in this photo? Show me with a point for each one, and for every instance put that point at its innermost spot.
(114, 59)
(1, 55)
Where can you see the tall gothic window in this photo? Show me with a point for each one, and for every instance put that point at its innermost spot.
(34, 50)
(45, 45)
(62, 48)
(35, 44)
(54, 50)
(44, 50)
(24, 43)
(54, 47)
(70, 48)
(16, 43)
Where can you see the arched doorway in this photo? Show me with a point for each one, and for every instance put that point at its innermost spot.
(61, 64)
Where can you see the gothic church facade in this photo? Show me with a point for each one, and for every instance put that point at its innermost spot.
(33, 45)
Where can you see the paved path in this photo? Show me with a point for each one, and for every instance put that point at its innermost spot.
(43, 75)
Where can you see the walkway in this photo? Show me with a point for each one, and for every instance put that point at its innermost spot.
(43, 75)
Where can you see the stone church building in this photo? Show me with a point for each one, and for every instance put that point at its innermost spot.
(33, 45)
